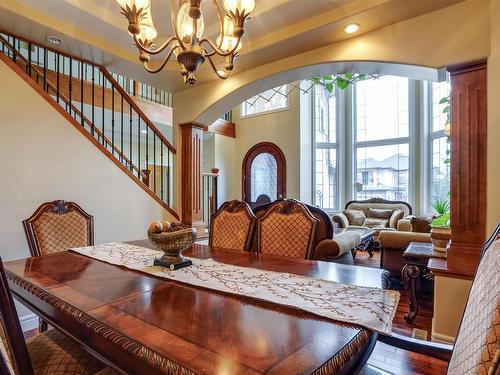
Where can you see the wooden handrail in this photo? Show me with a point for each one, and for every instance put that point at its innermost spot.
(74, 108)
(132, 103)
(110, 78)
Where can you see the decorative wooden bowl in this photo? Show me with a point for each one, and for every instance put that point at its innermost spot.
(173, 243)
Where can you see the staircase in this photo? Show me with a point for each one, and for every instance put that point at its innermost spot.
(90, 97)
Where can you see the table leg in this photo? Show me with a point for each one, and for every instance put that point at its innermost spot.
(369, 247)
(411, 278)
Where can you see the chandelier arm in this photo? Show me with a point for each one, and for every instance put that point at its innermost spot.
(226, 76)
(151, 70)
(218, 50)
(173, 17)
(155, 51)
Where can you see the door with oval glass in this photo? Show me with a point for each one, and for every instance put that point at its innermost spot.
(264, 174)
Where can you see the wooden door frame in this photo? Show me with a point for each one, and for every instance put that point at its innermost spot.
(279, 156)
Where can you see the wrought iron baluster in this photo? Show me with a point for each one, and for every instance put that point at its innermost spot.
(103, 92)
(45, 70)
(161, 170)
(93, 98)
(168, 177)
(81, 94)
(130, 138)
(56, 57)
(29, 59)
(122, 151)
(113, 118)
(154, 162)
(70, 84)
(139, 146)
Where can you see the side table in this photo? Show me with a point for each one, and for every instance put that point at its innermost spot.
(416, 257)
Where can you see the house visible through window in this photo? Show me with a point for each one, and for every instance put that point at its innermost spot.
(382, 138)
(267, 101)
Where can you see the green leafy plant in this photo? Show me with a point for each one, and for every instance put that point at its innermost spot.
(441, 206)
(341, 81)
(442, 221)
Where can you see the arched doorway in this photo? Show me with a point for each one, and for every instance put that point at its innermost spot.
(263, 174)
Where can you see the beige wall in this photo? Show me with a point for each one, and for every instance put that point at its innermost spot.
(280, 127)
(494, 120)
(45, 158)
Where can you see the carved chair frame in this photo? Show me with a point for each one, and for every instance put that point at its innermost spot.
(288, 207)
(233, 207)
(12, 329)
(59, 207)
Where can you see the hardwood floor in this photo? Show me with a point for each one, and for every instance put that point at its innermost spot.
(423, 321)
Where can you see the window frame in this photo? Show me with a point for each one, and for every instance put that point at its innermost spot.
(409, 140)
(261, 113)
(326, 146)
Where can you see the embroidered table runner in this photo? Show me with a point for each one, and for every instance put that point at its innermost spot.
(372, 308)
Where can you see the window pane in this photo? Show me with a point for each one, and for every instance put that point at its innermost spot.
(324, 116)
(269, 100)
(440, 172)
(326, 178)
(382, 172)
(264, 177)
(439, 91)
(382, 108)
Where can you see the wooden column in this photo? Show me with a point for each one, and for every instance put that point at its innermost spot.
(191, 165)
(468, 167)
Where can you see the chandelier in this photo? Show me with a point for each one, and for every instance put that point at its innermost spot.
(187, 45)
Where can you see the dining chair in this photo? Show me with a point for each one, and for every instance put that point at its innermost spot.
(477, 345)
(50, 352)
(232, 226)
(57, 226)
(288, 229)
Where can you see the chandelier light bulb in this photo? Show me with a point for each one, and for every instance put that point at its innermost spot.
(185, 24)
(239, 5)
(229, 40)
(148, 30)
(130, 3)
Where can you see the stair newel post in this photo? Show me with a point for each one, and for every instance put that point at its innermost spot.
(191, 175)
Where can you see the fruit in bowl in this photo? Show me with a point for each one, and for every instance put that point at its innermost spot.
(172, 239)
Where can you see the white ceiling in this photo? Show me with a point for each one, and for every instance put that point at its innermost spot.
(95, 29)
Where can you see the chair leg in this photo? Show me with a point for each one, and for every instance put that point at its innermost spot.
(42, 325)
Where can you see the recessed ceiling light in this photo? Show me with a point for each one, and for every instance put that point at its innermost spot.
(54, 40)
(351, 28)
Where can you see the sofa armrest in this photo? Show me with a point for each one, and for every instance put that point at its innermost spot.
(337, 246)
(341, 220)
(401, 240)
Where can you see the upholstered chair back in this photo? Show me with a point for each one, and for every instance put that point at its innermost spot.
(324, 231)
(232, 226)
(13, 350)
(287, 229)
(58, 225)
(477, 347)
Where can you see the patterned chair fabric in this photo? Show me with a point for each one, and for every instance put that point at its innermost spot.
(232, 226)
(287, 229)
(477, 347)
(49, 353)
(58, 225)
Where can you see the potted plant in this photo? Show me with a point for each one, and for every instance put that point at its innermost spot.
(441, 232)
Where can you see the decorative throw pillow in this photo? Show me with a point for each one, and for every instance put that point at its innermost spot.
(395, 217)
(375, 223)
(377, 213)
(355, 217)
(420, 224)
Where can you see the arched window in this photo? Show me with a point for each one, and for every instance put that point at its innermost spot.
(264, 174)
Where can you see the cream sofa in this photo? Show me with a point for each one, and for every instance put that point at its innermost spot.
(368, 207)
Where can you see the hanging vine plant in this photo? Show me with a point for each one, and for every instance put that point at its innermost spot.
(341, 81)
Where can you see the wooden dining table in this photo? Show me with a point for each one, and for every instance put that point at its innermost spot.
(141, 324)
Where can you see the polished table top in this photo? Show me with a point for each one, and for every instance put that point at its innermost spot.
(135, 321)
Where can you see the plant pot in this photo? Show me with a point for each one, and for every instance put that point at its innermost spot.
(440, 237)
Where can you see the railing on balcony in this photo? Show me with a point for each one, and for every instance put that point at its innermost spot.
(209, 192)
(228, 116)
(91, 96)
(144, 91)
